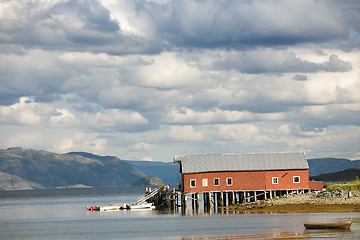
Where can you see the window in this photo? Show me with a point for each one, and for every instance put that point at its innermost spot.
(216, 182)
(229, 181)
(205, 182)
(192, 183)
(275, 180)
(296, 179)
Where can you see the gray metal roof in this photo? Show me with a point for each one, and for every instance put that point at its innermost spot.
(241, 162)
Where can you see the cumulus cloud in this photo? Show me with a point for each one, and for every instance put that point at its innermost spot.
(225, 24)
(184, 133)
(25, 112)
(167, 71)
(189, 116)
(275, 61)
(142, 146)
(144, 78)
(46, 25)
(300, 77)
(118, 119)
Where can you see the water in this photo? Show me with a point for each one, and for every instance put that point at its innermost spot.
(61, 214)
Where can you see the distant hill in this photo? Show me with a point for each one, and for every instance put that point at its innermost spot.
(52, 170)
(12, 182)
(319, 166)
(168, 172)
(346, 175)
(149, 182)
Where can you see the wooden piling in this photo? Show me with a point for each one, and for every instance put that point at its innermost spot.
(208, 197)
(184, 205)
(197, 202)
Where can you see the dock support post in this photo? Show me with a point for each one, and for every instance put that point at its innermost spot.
(255, 198)
(184, 196)
(208, 200)
(221, 199)
(197, 202)
(232, 198)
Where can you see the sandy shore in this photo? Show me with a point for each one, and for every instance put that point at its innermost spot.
(305, 203)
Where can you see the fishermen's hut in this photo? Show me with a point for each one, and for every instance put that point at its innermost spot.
(266, 174)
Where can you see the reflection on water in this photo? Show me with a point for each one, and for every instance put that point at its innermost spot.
(330, 234)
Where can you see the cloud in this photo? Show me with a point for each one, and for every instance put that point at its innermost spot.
(232, 24)
(88, 142)
(184, 133)
(121, 120)
(143, 78)
(46, 25)
(63, 118)
(25, 112)
(300, 77)
(276, 61)
(189, 116)
(142, 146)
(167, 71)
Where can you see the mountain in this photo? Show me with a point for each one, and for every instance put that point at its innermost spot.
(149, 181)
(12, 182)
(319, 166)
(168, 172)
(350, 174)
(52, 170)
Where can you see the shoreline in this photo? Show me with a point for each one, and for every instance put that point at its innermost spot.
(306, 203)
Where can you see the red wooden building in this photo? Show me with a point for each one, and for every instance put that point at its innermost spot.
(265, 172)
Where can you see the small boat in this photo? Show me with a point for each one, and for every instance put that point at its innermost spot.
(112, 207)
(143, 206)
(338, 225)
(106, 208)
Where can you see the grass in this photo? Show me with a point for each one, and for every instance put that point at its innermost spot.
(352, 186)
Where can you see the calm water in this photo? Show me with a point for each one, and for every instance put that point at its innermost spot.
(61, 214)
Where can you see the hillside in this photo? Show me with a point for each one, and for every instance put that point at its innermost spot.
(168, 172)
(12, 182)
(346, 175)
(52, 170)
(330, 165)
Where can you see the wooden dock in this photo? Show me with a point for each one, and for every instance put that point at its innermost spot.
(211, 201)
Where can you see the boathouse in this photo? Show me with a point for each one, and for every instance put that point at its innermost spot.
(268, 173)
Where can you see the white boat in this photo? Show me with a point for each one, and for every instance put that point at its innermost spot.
(143, 206)
(112, 207)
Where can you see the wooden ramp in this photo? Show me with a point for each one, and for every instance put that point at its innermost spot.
(146, 197)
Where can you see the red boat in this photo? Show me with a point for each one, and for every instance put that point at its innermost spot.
(338, 225)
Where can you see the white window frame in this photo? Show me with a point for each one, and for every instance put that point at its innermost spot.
(294, 177)
(275, 180)
(191, 181)
(227, 181)
(218, 179)
(205, 182)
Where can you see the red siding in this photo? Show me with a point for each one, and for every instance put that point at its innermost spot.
(286, 179)
(247, 181)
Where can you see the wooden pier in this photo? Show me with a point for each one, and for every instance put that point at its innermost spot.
(211, 201)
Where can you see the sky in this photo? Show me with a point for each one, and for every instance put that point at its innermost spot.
(149, 80)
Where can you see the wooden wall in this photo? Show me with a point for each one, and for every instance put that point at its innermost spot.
(256, 180)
